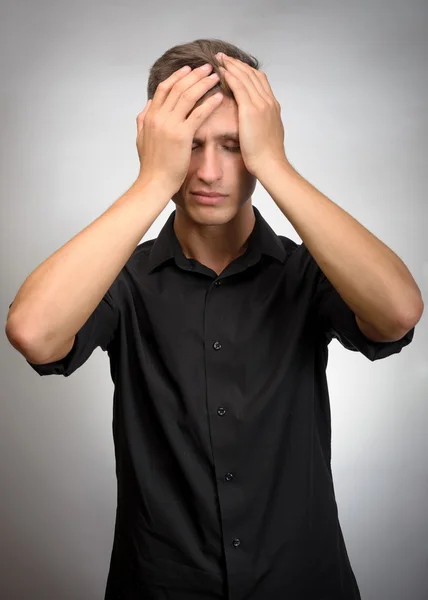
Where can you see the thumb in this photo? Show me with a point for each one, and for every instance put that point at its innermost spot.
(140, 117)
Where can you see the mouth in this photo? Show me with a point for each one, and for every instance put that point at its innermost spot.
(210, 200)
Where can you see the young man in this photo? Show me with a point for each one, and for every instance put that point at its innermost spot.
(217, 333)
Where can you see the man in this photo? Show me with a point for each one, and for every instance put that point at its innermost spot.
(217, 333)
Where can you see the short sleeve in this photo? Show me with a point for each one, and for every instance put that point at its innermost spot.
(335, 319)
(99, 330)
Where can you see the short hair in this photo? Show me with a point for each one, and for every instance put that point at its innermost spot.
(195, 54)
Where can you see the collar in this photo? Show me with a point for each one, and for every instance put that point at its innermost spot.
(262, 240)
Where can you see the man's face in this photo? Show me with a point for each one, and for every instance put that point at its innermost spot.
(216, 165)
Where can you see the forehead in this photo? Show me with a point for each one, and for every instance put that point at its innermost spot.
(221, 124)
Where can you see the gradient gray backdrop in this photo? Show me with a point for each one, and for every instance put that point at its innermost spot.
(351, 78)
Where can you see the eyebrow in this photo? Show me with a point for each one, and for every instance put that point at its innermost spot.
(223, 137)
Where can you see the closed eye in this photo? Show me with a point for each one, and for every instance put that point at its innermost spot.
(230, 148)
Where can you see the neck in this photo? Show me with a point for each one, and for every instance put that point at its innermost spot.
(215, 246)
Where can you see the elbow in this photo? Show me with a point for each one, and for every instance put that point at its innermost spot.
(31, 349)
(413, 315)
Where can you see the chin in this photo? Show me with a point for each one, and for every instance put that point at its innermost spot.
(212, 215)
(205, 214)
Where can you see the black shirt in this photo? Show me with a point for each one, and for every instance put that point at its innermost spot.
(221, 422)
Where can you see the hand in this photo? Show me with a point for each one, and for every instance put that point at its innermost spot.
(261, 132)
(165, 132)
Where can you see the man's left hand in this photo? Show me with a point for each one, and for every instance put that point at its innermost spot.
(261, 132)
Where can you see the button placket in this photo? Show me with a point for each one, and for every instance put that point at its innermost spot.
(221, 411)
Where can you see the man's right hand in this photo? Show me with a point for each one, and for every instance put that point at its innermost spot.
(165, 131)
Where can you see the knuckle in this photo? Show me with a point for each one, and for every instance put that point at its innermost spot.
(186, 95)
(155, 121)
(150, 122)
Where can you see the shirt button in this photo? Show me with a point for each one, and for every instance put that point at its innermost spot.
(221, 411)
(217, 283)
(216, 345)
(229, 476)
(236, 542)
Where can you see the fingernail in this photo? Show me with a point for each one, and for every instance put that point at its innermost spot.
(206, 67)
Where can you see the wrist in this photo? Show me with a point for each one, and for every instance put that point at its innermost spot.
(154, 187)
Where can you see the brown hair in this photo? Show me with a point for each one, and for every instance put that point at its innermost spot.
(195, 54)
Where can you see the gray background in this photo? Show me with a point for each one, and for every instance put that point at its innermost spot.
(352, 79)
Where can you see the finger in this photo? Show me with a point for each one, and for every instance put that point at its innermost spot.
(165, 86)
(239, 74)
(140, 117)
(258, 78)
(200, 113)
(239, 89)
(189, 98)
(185, 88)
(265, 83)
(259, 85)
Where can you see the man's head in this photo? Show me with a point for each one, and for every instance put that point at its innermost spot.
(216, 164)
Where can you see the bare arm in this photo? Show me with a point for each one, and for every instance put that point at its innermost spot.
(58, 297)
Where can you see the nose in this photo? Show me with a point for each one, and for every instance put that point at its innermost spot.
(209, 167)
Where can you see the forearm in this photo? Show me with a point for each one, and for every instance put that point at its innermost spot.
(58, 297)
(372, 280)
